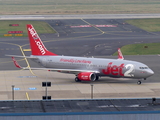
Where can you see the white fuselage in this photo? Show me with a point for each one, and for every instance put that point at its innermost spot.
(105, 67)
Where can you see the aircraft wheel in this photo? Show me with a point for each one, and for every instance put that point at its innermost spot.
(77, 80)
(139, 82)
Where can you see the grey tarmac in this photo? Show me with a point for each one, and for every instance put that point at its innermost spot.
(96, 42)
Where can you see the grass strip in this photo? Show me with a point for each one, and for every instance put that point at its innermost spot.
(150, 25)
(141, 49)
(40, 26)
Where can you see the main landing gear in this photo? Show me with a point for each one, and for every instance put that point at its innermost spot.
(77, 80)
(139, 82)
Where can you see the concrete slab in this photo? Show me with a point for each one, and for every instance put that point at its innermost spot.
(29, 86)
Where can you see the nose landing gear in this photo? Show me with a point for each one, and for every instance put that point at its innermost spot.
(139, 81)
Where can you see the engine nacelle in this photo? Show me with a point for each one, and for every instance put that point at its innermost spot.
(87, 76)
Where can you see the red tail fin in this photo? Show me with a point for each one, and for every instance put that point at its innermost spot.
(120, 56)
(36, 44)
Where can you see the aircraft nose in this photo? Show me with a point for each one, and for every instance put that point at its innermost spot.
(150, 72)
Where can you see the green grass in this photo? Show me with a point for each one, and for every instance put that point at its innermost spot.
(78, 6)
(41, 27)
(141, 49)
(150, 25)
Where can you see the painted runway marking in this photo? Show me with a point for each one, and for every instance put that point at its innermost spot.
(81, 26)
(27, 76)
(105, 25)
(32, 88)
(27, 96)
(16, 88)
(26, 49)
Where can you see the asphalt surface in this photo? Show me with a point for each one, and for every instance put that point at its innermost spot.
(80, 41)
(78, 37)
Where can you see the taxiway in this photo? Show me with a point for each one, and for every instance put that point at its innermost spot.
(78, 41)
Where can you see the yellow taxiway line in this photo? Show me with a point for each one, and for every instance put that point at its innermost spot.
(27, 96)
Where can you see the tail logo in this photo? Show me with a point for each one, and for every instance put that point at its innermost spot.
(37, 40)
(33, 33)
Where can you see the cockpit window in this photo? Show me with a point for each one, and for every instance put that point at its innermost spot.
(143, 67)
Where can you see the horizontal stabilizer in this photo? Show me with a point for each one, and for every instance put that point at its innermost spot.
(21, 56)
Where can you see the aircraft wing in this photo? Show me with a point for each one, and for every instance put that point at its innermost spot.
(72, 71)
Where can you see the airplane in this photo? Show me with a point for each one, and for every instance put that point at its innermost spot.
(84, 68)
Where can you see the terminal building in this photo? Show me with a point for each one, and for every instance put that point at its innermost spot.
(82, 109)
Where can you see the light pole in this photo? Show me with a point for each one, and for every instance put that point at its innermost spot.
(91, 90)
(12, 92)
(46, 84)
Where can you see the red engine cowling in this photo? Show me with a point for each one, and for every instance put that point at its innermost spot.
(87, 76)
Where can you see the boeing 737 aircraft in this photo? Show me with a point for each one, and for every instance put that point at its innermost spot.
(85, 69)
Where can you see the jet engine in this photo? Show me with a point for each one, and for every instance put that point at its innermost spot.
(86, 76)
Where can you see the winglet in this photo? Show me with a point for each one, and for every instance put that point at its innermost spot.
(16, 63)
(120, 56)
